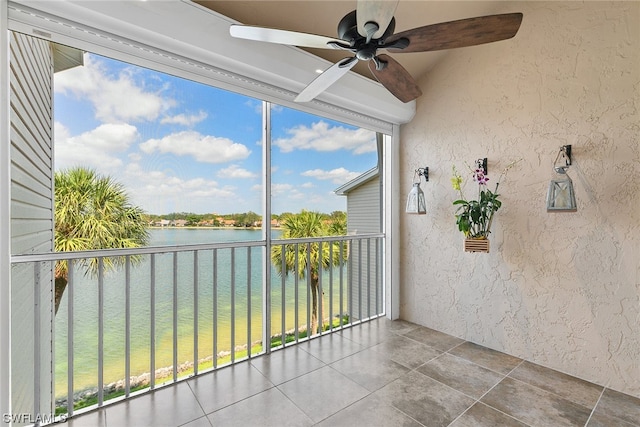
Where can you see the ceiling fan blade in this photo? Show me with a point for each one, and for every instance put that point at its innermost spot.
(462, 33)
(326, 79)
(292, 38)
(396, 79)
(378, 11)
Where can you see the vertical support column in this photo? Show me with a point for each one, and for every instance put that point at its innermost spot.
(391, 224)
(266, 227)
(5, 217)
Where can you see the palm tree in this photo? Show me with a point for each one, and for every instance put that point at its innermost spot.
(296, 256)
(93, 212)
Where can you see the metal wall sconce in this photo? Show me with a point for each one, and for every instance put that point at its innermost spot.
(482, 164)
(561, 197)
(415, 202)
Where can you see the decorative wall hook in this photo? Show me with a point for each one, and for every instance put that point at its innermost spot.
(424, 172)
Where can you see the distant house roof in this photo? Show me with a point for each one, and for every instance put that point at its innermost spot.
(357, 182)
(65, 57)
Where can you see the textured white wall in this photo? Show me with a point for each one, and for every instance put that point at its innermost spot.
(563, 289)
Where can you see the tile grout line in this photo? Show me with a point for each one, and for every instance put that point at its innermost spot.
(487, 392)
(595, 406)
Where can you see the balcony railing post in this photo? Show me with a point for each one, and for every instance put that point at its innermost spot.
(37, 318)
(341, 269)
(309, 308)
(249, 302)
(233, 305)
(175, 316)
(283, 286)
(378, 281)
(70, 286)
(127, 326)
(297, 292)
(195, 313)
(360, 280)
(331, 244)
(152, 350)
(215, 308)
(320, 315)
(368, 278)
(100, 331)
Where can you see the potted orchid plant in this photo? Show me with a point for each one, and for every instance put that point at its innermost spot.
(475, 216)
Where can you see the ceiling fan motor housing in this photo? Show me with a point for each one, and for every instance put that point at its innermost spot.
(348, 31)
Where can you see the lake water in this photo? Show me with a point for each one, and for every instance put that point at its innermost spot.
(246, 281)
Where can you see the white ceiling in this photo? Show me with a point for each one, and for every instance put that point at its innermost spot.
(322, 17)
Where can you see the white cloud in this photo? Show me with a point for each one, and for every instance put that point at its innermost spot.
(114, 97)
(96, 148)
(321, 137)
(156, 189)
(203, 148)
(279, 189)
(185, 119)
(235, 171)
(337, 176)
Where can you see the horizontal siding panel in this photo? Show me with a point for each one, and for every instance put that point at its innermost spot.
(22, 227)
(25, 195)
(29, 147)
(21, 210)
(23, 174)
(25, 105)
(363, 208)
(30, 244)
(35, 78)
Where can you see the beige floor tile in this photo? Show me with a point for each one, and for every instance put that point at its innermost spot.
(535, 406)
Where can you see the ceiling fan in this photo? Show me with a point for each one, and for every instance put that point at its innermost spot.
(369, 28)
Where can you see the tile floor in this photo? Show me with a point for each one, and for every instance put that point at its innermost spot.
(381, 373)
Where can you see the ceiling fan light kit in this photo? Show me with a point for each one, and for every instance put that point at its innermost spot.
(370, 28)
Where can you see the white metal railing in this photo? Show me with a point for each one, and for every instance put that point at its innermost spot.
(218, 303)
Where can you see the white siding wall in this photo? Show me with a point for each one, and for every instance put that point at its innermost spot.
(363, 216)
(363, 207)
(31, 219)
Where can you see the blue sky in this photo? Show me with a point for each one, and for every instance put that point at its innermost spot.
(180, 146)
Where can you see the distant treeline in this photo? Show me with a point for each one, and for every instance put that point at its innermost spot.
(245, 219)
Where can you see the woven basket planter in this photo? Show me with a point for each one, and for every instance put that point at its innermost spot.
(476, 245)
